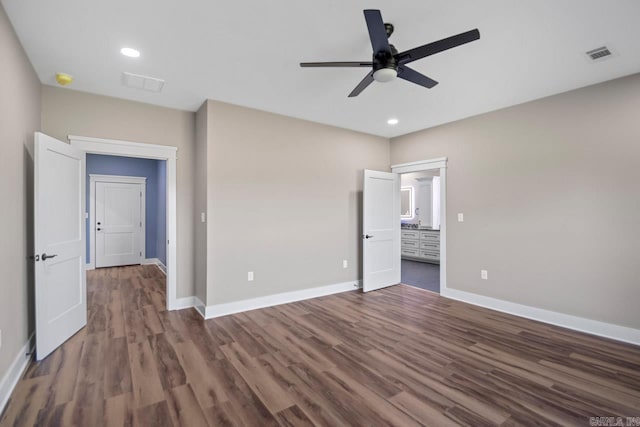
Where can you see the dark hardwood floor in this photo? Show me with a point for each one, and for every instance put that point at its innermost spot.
(399, 356)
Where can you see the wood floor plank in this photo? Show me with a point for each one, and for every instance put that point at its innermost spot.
(118, 411)
(147, 387)
(117, 373)
(397, 356)
(169, 368)
(156, 414)
(184, 408)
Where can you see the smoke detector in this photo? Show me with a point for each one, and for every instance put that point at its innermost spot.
(138, 81)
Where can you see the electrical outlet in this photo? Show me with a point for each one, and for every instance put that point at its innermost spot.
(345, 263)
(484, 275)
(250, 276)
(460, 217)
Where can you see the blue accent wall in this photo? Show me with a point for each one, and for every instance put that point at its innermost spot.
(156, 195)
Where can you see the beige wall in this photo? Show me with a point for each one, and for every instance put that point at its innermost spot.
(67, 112)
(284, 201)
(19, 119)
(201, 204)
(551, 198)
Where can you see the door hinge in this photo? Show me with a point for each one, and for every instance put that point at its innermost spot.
(140, 253)
(140, 223)
(141, 194)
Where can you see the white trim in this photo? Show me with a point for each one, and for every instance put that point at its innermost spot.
(147, 151)
(93, 178)
(424, 165)
(593, 327)
(15, 371)
(123, 148)
(156, 262)
(218, 310)
(419, 166)
(185, 302)
(118, 179)
(200, 306)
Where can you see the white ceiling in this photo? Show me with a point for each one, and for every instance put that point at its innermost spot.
(247, 53)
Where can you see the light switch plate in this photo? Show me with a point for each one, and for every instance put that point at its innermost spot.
(203, 217)
(484, 274)
(345, 263)
(460, 217)
(250, 276)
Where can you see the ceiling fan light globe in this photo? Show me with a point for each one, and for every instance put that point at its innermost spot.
(385, 75)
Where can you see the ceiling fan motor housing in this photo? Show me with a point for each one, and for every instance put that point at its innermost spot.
(385, 65)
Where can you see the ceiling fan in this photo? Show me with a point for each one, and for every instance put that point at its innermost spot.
(388, 63)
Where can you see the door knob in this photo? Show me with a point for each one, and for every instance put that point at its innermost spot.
(99, 228)
(366, 236)
(46, 257)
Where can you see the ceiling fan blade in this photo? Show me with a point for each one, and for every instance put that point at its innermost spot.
(437, 47)
(377, 32)
(411, 75)
(362, 85)
(336, 64)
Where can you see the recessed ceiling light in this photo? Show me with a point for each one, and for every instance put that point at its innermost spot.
(392, 121)
(132, 53)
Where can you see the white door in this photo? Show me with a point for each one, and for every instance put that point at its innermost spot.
(381, 230)
(59, 230)
(118, 224)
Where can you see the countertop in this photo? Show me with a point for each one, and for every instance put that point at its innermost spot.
(419, 228)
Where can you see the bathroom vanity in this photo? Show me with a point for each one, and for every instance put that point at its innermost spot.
(420, 244)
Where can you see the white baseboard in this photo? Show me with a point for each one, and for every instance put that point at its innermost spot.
(218, 310)
(88, 267)
(15, 371)
(589, 326)
(185, 302)
(157, 262)
(200, 306)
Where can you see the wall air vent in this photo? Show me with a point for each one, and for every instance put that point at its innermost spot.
(599, 53)
(138, 81)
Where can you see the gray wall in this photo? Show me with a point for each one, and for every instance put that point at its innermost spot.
(67, 112)
(550, 193)
(284, 201)
(19, 119)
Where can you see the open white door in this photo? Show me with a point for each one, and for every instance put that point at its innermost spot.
(381, 230)
(60, 288)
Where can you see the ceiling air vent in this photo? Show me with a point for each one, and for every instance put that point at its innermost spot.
(599, 53)
(138, 81)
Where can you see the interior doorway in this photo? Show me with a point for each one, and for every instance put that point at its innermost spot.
(420, 229)
(126, 206)
(167, 154)
(423, 228)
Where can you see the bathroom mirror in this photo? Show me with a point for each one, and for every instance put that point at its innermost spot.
(406, 202)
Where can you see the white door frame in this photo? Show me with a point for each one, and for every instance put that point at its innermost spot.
(425, 165)
(93, 178)
(146, 151)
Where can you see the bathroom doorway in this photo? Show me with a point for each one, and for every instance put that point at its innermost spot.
(420, 210)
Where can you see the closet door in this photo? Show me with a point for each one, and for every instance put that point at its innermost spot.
(118, 224)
